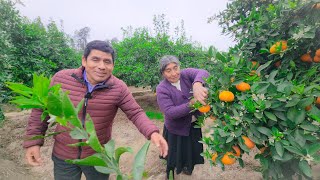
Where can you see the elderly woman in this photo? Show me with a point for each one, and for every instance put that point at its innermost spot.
(174, 96)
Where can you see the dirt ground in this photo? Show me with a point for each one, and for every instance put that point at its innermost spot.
(13, 164)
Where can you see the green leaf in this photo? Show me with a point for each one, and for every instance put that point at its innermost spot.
(280, 115)
(313, 149)
(314, 113)
(279, 148)
(296, 115)
(104, 170)
(28, 103)
(270, 115)
(305, 168)
(79, 106)
(309, 127)
(221, 57)
(20, 89)
(258, 115)
(298, 136)
(109, 148)
(263, 66)
(77, 133)
(54, 105)
(120, 150)
(229, 139)
(294, 101)
(294, 150)
(93, 160)
(265, 131)
(305, 102)
(93, 140)
(139, 160)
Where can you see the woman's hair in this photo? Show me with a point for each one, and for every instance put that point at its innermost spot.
(167, 59)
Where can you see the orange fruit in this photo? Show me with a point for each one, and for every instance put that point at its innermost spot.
(306, 58)
(318, 100)
(273, 49)
(283, 44)
(237, 150)
(243, 87)
(277, 64)
(226, 96)
(308, 108)
(250, 144)
(214, 157)
(316, 59)
(227, 159)
(204, 109)
(318, 51)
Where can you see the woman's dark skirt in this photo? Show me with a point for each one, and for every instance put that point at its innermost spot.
(184, 151)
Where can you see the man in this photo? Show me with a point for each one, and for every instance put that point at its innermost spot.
(104, 94)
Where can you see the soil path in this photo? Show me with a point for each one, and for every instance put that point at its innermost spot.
(124, 133)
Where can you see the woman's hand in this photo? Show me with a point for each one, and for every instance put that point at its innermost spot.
(200, 93)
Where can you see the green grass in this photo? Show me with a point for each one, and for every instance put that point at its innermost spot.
(155, 115)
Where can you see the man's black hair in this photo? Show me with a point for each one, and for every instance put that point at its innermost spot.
(101, 46)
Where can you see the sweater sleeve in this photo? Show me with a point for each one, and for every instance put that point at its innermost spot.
(167, 106)
(136, 114)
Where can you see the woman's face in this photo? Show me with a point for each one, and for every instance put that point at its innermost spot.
(172, 72)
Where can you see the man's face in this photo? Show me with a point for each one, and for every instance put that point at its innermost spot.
(98, 65)
(172, 72)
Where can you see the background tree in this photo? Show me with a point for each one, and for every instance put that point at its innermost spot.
(81, 38)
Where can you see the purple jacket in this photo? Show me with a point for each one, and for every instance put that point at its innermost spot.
(175, 104)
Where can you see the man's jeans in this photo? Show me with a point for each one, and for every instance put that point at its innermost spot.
(66, 171)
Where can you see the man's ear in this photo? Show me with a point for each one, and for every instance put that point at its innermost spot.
(83, 61)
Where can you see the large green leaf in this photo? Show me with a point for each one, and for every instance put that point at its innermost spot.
(20, 89)
(79, 133)
(305, 168)
(54, 105)
(93, 140)
(270, 116)
(294, 150)
(294, 101)
(93, 160)
(138, 166)
(120, 150)
(296, 115)
(265, 131)
(279, 148)
(27, 103)
(314, 148)
(109, 148)
(104, 170)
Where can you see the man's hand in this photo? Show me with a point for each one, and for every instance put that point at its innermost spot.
(200, 93)
(33, 155)
(160, 142)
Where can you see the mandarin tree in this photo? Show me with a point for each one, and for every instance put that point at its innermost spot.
(271, 115)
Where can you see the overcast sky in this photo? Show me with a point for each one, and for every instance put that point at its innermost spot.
(106, 17)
